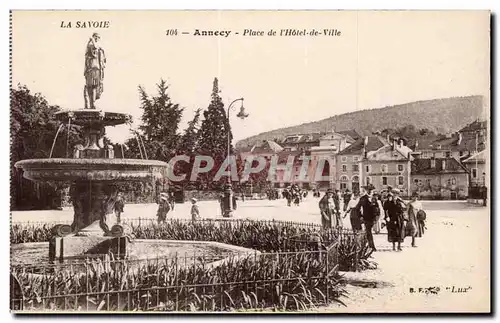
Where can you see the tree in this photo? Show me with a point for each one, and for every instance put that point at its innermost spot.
(189, 139)
(160, 122)
(33, 130)
(187, 146)
(213, 134)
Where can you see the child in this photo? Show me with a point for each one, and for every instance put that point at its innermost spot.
(195, 211)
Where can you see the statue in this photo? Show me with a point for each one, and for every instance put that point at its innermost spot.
(95, 62)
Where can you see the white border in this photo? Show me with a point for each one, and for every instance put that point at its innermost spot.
(493, 5)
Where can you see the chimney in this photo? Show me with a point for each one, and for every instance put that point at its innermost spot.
(433, 163)
(443, 164)
(401, 143)
(416, 144)
(388, 138)
(459, 138)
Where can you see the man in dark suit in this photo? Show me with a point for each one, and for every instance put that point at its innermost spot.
(368, 212)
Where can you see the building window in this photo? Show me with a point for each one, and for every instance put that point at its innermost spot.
(368, 168)
(453, 181)
(384, 180)
(448, 154)
(401, 180)
(344, 178)
(383, 168)
(368, 180)
(401, 168)
(474, 173)
(355, 159)
(344, 168)
(343, 186)
(344, 159)
(355, 179)
(355, 168)
(415, 180)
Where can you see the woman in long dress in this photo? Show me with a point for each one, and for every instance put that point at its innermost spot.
(328, 205)
(354, 215)
(395, 221)
(420, 215)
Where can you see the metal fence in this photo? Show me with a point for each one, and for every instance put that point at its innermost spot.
(150, 220)
(283, 280)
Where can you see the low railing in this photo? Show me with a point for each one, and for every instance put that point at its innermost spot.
(282, 280)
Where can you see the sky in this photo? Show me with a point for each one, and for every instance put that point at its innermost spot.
(381, 58)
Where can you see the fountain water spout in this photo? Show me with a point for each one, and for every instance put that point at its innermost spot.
(55, 138)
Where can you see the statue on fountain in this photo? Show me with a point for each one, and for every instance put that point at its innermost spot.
(95, 62)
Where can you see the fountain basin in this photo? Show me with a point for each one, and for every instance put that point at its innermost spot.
(90, 117)
(90, 169)
(36, 254)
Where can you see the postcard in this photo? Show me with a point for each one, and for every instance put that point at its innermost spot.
(250, 161)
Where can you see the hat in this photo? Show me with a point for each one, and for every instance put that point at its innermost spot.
(347, 190)
(194, 199)
(369, 187)
(396, 191)
(163, 197)
(329, 191)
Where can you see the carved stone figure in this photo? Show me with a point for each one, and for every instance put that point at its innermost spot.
(95, 62)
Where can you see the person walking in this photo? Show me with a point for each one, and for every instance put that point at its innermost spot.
(171, 200)
(394, 220)
(195, 211)
(347, 198)
(163, 208)
(420, 215)
(368, 212)
(329, 207)
(354, 216)
(376, 199)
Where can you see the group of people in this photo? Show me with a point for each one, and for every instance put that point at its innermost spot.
(294, 194)
(375, 210)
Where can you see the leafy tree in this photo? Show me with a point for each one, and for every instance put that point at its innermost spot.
(160, 122)
(213, 135)
(33, 129)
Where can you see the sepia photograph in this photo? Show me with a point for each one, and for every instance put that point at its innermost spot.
(286, 161)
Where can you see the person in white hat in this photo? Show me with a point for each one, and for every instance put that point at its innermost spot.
(163, 208)
(195, 211)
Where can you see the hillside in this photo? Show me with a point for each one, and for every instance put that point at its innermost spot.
(439, 115)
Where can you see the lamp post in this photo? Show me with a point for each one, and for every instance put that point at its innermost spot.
(228, 193)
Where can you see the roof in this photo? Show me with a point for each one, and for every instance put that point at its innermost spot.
(285, 154)
(310, 138)
(267, 147)
(423, 166)
(374, 143)
(474, 126)
(480, 157)
(454, 143)
(351, 133)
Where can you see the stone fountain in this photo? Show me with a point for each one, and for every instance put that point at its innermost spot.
(94, 176)
(93, 172)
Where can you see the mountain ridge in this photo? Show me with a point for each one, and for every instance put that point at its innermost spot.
(443, 115)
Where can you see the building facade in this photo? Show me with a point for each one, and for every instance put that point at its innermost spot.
(388, 166)
(440, 178)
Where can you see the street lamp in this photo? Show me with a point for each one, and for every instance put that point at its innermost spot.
(228, 194)
(242, 115)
